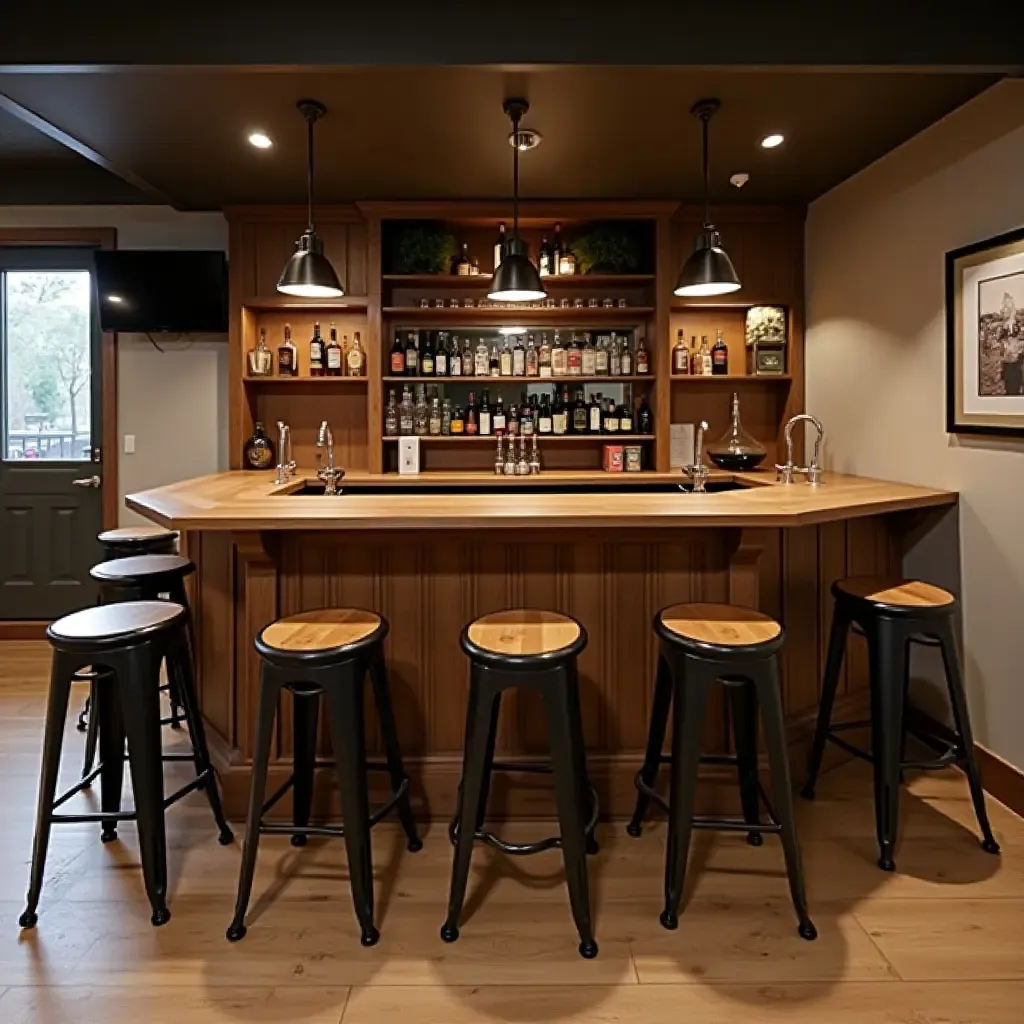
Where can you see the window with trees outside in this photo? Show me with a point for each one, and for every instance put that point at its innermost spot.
(46, 364)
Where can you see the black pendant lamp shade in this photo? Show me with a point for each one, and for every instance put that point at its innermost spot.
(708, 271)
(516, 279)
(308, 274)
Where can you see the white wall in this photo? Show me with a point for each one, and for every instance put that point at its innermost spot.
(876, 363)
(175, 403)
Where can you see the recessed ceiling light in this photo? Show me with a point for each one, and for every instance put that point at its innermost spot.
(528, 139)
(261, 140)
(739, 179)
(115, 299)
(771, 141)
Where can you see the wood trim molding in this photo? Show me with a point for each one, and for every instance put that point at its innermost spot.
(1001, 779)
(102, 238)
(23, 629)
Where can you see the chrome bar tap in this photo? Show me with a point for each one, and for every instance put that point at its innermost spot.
(534, 456)
(330, 474)
(784, 473)
(285, 462)
(698, 472)
(522, 465)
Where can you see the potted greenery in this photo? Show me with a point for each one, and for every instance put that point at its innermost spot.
(607, 249)
(421, 247)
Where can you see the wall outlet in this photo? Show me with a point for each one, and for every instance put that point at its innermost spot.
(129, 444)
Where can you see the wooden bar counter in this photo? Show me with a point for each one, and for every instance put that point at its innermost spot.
(431, 562)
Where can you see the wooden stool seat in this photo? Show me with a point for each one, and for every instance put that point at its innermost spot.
(107, 623)
(142, 534)
(894, 592)
(320, 631)
(124, 570)
(523, 632)
(718, 626)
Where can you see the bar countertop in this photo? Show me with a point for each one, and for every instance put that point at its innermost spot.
(245, 501)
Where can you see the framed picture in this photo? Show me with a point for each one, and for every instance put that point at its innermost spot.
(985, 337)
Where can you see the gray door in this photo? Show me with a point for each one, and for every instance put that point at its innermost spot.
(50, 478)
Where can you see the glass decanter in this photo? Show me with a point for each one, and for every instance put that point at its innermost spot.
(736, 450)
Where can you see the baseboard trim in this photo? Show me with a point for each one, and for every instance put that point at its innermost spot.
(23, 629)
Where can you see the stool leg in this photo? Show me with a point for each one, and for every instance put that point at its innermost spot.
(566, 761)
(392, 749)
(769, 691)
(305, 715)
(179, 595)
(138, 684)
(586, 789)
(485, 784)
(345, 710)
(106, 711)
(92, 730)
(53, 738)
(270, 691)
(829, 686)
(482, 697)
(962, 720)
(743, 709)
(180, 670)
(655, 741)
(690, 696)
(887, 655)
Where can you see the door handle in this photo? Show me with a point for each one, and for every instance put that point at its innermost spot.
(88, 481)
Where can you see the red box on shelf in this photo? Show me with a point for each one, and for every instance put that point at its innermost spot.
(612, 459)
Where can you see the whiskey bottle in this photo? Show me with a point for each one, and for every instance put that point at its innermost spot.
(434, 423)
(720, 355)
(626, 418)
(420, 413)
(259, 450)
(333, 353)
(610, 419)
(391, 416)
(706, 365)
(455, 358)
(626, 359)
(505, 367)
(532, 358)
(405, 413)
(644, 418)
(316, 353)
(412, 354)
(556, 250)
(594, 414)
(485, 415)
(680, 356)
(441, 355)
(579, 413)
(643, 358)
(494, 362)
(518, 358)
(499, 417)
(469, 361)
(560, 417)
(499, 246)
(462, 266)
(589, 356)
(527, 419)
(446, 417)
(574, 357)
(261, 359)
(559, 358)
(544, 262)
(472, 419)
(397, 357)
(458, 422)
(602, 360)
(544, 357)
(544, 425)
(287, 355)
(481, 361)
(356, 359)
(614, 356)
(427, 355)
(512, 423)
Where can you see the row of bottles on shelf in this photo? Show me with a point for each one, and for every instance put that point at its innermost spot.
(329, 358)
(703, 361)
(440, 354)
(553, 415)
(554, 259)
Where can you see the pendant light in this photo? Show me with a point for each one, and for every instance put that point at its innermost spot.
(516, 279)
(708, 271)
(308, 274)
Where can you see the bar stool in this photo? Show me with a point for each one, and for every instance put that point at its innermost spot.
(328, 652)
(128, 641)
(892, 614)
(703, 644)
(535, 649)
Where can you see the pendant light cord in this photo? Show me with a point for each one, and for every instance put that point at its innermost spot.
(515, 178)
(704, 118)
(309, 172)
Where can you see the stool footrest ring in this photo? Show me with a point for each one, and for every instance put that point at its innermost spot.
(715, 824)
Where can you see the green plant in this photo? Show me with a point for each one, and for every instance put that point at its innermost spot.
(607, 248)
(423, 248)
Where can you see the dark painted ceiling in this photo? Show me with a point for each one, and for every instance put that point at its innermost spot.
(440, 132)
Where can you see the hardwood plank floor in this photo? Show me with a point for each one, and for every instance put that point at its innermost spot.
(938, 942)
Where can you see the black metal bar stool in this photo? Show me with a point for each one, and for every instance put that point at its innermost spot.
(128, 641)
(702, 644)
(328, 652)
(536, 649)
(893, 614)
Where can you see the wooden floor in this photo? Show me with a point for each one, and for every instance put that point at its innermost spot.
(939, 942)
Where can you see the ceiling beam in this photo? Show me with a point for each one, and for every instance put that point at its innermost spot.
(51, 131)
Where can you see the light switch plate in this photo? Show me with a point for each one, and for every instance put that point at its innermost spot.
(129, 444)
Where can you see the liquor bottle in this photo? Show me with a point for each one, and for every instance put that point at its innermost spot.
(499, 246)
(610, 417)
(527, 420)
(706, 365)
(412, 354)
(446, 417)
(512, 421)
(532, 358)
(472, 419)
(560, 417)
(680, 355)
(420, 412)
(626, 418)
(556, 250)
(485, 415)
(494, 362)
(505, 365)
(694, 357)
(357, 357)
(405, 413)
(644, 418)
(333, 353)
(427, 355)
(391, 416)
(594, 414)
(589, 356)
(463, 265)
(626, 359)
(720, 355)
(544, 356)
(454, 358)
(259, 450)
(469, 360)
(518, 358)
(435, 417)
(441, 355)
(287, 355)
(458, 423)
(544, 262)
(579, 413)
(559, 358)
(614, 356)
(643, 358)
(316, 353)
(261, 359)
(498, 422)
(601, 357)
(482, 360)
(574, 357)
(544, 416)
(397, 358)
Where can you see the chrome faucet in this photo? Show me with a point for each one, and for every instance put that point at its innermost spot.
(698, 472)
(784, 474)
(329, 473)
(285, 463)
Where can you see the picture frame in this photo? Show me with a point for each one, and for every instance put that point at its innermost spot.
(985, 337)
